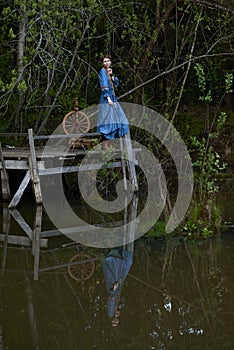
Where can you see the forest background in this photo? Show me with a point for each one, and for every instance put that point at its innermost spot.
(173, 56)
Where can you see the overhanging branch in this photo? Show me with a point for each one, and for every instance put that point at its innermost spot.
(212, 6)
(173, 69)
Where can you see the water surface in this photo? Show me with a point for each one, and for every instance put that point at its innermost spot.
(176, 294)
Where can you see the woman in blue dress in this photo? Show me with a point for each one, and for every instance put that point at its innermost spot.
(112, 122)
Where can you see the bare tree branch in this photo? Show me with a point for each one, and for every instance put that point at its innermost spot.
(213, 6)
(188, 68)
(169, 70)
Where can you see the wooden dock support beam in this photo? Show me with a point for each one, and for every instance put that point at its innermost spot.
(131, 161)
(34, 164)
(36, 241)
(15, 200)
(5, 229)
(33, 168)
(4, 178)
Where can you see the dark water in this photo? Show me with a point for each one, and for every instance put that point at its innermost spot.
(176, 294)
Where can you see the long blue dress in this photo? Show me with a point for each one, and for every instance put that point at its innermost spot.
(112, 122)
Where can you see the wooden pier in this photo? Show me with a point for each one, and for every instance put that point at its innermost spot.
(34, 162)
(37, 240)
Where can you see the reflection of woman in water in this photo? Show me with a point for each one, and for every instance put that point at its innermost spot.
(115, 268)
(112, 122)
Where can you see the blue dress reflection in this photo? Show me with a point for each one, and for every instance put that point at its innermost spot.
(115, 268)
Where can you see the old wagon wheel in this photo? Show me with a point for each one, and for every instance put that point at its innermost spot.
(76, 122)
(82, 271)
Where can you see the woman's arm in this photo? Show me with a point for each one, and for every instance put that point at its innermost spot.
(104, 83)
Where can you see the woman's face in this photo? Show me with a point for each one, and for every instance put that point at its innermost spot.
(106, 62)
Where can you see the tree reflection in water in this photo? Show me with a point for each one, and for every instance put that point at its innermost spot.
(179, 295)
(187, 306)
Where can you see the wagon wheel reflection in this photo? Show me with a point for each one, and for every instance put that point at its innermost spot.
(82, 271)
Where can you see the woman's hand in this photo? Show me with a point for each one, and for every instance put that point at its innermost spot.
(110, 102)
(111, 74)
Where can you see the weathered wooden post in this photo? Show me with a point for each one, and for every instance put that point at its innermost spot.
(123, 163)
(33, 168)
(36, 240)
(5, 229)
(131, 161)
(4, 177)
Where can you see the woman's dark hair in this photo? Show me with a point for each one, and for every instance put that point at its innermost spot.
(105, 56)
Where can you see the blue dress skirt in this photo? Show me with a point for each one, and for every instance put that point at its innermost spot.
(112, 122)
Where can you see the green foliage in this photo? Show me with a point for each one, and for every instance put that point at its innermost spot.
(202, 84)
(204, 217)
(229, 82)
(202, 221)
(207, 166)
(64, 40)
(158, 230)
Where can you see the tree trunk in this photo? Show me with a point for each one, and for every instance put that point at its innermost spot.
(17, 124)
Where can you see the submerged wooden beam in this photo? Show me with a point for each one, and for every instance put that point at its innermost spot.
(36, 241)
(79, 229)
(5, 229)
(22, 223)
(74, 263)
(22, 240)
